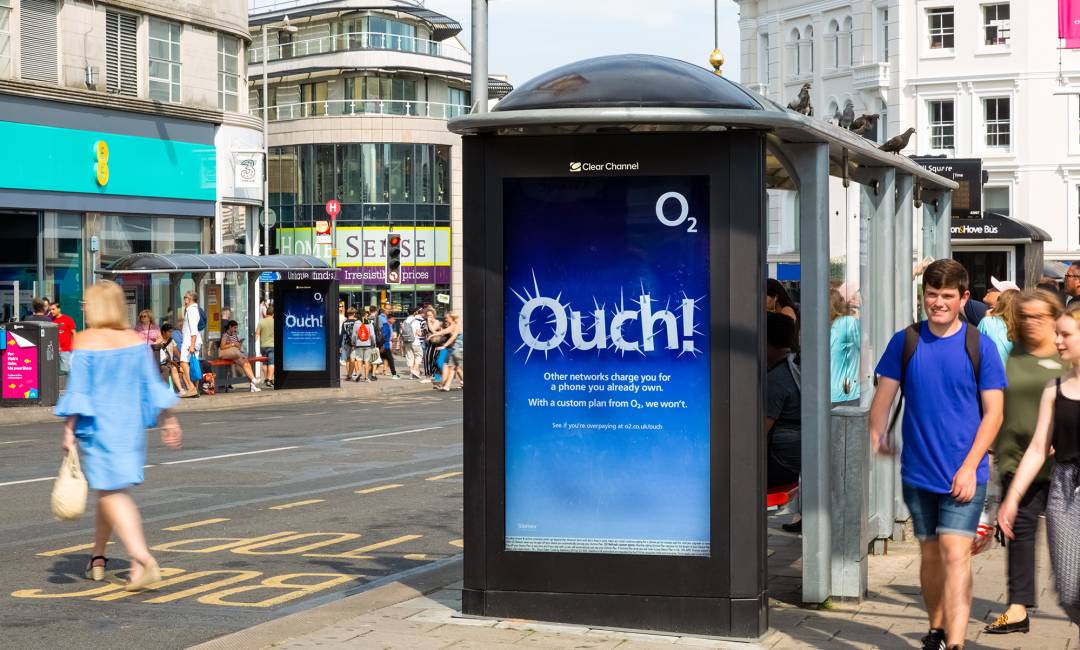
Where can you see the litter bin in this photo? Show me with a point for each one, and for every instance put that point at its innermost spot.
(29, 364)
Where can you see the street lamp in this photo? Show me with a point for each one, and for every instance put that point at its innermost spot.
(266, 134)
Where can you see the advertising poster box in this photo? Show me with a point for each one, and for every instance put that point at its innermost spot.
(306, 329)
(613, 420)
(29, 364)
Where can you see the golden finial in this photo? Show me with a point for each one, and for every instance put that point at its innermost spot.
(716, 60)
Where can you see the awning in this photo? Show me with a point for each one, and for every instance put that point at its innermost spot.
(997, 228)
(1054, 269)
(146, 263)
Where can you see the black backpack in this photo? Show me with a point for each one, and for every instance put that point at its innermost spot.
(911, 341)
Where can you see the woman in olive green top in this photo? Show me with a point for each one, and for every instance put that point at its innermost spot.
(1033, 362)
(264, 339)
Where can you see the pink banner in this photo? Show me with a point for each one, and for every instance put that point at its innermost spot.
(20, 359)
(1069, 23)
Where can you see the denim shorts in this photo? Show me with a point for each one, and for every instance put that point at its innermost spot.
(269, 354)
(933, 514)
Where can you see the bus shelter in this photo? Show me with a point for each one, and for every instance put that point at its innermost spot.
(650, 174)
(162, 279)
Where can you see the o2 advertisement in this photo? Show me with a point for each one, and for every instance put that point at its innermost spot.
(303, 332)
(606, 337)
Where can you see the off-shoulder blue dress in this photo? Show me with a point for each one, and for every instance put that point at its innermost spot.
(117, 395)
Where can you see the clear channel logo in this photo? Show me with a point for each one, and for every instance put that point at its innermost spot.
(577, 167)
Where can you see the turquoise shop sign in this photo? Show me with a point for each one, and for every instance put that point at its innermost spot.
(55, 159)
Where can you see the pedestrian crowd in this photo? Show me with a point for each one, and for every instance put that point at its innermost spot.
(990, 392)
(433, 348)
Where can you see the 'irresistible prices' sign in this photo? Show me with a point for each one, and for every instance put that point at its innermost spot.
(607, 365)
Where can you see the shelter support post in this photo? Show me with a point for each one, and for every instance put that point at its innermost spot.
(879, 312)
(936, 224)
(905, 300)
(850, 502)
(810, 164)
(252, 287)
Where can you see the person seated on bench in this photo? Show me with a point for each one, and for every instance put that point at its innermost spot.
(783, 405)
(230, 349)
(169, 359)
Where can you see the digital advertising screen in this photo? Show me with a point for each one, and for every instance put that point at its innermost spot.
(607, 368)
(303, 311)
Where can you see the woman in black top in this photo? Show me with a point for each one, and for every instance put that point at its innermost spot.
(1058, 428)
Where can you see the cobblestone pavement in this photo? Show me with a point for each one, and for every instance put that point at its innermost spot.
(891, 617)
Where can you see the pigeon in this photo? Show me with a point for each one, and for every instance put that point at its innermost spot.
(897, 144)
(837, 117)
(848, 116)
(801, 104)
(864, 123)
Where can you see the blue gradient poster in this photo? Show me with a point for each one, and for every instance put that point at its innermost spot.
(303, 331)
(607, 368)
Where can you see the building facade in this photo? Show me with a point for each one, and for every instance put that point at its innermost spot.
(976, 79)
(127, 127)
(358, 96)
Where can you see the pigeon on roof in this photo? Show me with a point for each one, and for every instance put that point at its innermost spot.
(864, 123)
(801, 104)
(897, 144)
(849, 115)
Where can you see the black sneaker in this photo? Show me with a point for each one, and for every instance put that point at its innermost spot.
(935, 640)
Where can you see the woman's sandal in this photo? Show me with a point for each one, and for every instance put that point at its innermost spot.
(96, 573)
(151, 574)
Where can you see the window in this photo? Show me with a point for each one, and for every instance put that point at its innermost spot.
(942, 125)
(121, 74)
(392, 34)
(5, 38)
(228, 57)
(389, 95)
(460, 101)
(285, 44)
(313, 98)
(764, 62)
(832, 43)
(998, 122)
(806, 51)
(794, 65)
(940, 22)
(882, 125)
(38, 47)
(996, 200)
(883, 34)
(996, 24)
(164, 60)
(846, 44)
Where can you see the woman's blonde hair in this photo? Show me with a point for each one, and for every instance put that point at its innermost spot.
(149, 314)
(1007, 308)
(838, 305)
(105, 307)
(1073, 312)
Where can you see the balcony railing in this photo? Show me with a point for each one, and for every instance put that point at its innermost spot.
(362, 107)
(358, 41)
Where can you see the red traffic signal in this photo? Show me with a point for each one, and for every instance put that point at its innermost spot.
(393, 258)
(394, 240)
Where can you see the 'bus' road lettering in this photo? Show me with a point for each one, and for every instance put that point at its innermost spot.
(291, 591)
(335, 538)
(230, 542)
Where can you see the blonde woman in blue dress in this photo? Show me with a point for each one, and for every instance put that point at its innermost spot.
(114, 393)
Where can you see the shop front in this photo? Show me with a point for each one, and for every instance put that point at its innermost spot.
(1000, 247)
(132, 183)
(361, 272)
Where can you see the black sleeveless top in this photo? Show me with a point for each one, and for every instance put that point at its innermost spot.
(1066, 434)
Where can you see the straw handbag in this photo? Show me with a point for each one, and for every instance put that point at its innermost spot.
(69, 490)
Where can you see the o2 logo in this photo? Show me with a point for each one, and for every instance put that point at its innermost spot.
(684, 211)
(101, 168)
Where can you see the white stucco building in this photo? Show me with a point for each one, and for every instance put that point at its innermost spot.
(976, 79)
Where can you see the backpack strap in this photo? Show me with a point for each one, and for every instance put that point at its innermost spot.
(971, 344)
(911, 341)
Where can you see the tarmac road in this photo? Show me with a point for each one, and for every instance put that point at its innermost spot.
(265, 511)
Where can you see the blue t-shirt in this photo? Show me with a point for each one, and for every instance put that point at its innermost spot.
(941, 404)
(386, 334)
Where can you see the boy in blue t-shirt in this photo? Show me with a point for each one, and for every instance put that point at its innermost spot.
(950, 422)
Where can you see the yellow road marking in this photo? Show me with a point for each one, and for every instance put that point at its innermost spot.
(442, 476)
(460, 543)
(286, 506)
(65, 551)
(292, 591)
(355, 553)
(194, 524)
(391, 486)
(415, 556)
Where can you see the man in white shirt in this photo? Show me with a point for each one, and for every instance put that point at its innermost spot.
(192, 337)
(410, 335)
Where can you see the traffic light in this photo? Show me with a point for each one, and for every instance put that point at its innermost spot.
(393, 258)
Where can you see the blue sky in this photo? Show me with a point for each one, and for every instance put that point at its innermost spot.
(528, 37)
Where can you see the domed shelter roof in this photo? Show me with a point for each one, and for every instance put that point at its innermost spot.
(628, 80)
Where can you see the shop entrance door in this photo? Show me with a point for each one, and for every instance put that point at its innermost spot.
(19, 249)
(981, 264)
